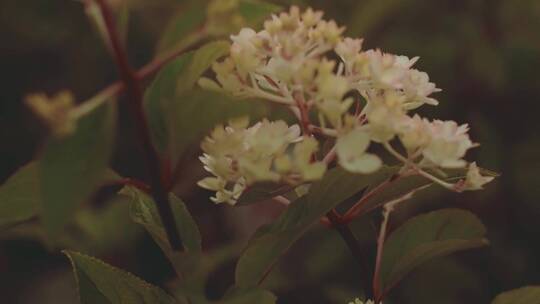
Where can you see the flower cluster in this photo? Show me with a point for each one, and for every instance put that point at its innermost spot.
(364, 97)
(239, 155)
(358, 301)
(54, 111)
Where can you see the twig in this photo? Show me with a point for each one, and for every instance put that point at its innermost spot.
(330, 156)
(132, 84)
(348, 236)
(146, 71)
(356, 209)
(282, 200)
(333, 216)
(387, 209)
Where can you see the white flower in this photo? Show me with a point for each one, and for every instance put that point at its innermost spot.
(54, 111)
(244, 52)
(358, 301)
(448, 144)
(417, 88)
(475, 180)
(414, 133)
(300, 164)
(269, 138)
(386, 114)
(227, 76)
(348, 49)
(387, 70)
(351, 151)
(359, 98)
(239, 156)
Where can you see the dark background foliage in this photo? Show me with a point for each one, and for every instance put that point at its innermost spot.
(485, 54)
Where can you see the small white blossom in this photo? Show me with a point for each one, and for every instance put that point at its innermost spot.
(358, 301)
(351, 151)
(348, 49)
(475, 180)
(387, 70)
(54, 111)
(358, 98)
(386, 115)
(239, 156)
(301, 163)
(448, 144)
(417, 88)
(414, 133)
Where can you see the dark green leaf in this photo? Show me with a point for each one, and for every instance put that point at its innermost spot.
(248, 296)
(197, 112)
(427, 236)
(181, 29)
(71, 168)
(163, 95)
(94, 230)
(271, 241)
(262, 192)
(202, 59)
(369, 14)
(105, 229)
(524, 295)
(100, 283)
(255, 12)
(404, 185)
(19, 196)
(143, 211)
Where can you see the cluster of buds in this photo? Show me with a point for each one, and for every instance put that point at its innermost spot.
(364, 97)
(55, 112)
(239, 155)
(358, 301)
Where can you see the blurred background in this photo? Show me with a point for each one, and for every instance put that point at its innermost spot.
(485, 54)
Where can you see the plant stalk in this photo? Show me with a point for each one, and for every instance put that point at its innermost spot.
(132, 84)
(354, 246)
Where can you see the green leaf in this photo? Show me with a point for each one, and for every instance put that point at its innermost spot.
(271, 241)
(100, 283)
(427, 236)
(198, 112)
(105, 229)
(202, 59)
(96, 231)
(248, 296)
(261, 192)
(181, 30)
(367, 15)
(71, 168)
(404, 185)
(179, 76)
(255, 12)
(19, 196)
(524, 295)
(143, 211)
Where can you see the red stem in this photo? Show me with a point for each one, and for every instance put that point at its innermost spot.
(132, 84)
(356, 210)
(354, 246)
(147, 70)
(335, 219)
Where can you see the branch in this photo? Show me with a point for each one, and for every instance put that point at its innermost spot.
(146, 71)
(356, 209)
(351, 241)
(131, 81)
(333, 216)
(387, 209)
